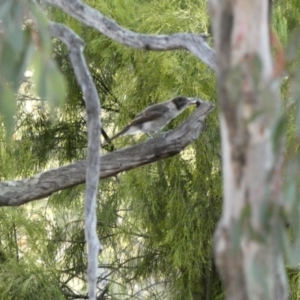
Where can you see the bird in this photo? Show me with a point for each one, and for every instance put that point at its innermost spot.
(155, 117)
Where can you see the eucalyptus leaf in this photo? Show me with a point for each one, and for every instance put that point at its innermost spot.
(7, 107)
(23, 63)
(49, 82)
(39, 75)
(56, 86)
(42, 24)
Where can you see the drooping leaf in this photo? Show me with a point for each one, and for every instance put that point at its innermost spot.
(7, 106)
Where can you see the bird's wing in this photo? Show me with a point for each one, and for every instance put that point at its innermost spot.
(149, 114)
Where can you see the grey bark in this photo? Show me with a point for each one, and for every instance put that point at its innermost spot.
(246, 245)
(92, 105)
(18, 192)
(195, 43)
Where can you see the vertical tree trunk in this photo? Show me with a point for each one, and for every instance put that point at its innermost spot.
(247, 250)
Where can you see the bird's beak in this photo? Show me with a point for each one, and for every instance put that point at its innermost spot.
(196, 101)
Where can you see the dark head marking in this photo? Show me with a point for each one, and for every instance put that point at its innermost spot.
(180, 102)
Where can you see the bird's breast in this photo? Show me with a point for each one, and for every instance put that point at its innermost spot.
(157, 124)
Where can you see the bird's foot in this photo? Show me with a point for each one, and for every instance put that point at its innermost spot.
(149, 135)
(164, 133)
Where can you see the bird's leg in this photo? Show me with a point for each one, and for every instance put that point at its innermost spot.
(149, 135)
(164, 133)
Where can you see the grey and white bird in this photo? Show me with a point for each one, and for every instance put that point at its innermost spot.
(155, 117)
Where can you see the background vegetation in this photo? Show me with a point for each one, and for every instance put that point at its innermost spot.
(156, 222)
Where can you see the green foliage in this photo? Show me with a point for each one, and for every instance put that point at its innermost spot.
(24, 270)
(20, 280)
(170, 208)
(178, 209)
(286, 15)
(156, 223)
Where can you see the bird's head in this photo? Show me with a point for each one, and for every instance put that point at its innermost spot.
(182, 102)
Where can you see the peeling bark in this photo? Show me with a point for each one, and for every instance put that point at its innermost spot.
(247, 250)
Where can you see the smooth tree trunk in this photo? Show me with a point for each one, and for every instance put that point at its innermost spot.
(246, 242)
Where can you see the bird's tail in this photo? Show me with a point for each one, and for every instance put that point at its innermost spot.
(115, 136)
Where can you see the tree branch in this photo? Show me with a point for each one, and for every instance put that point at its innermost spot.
(195, 43)
(18, 192)
(92, 104)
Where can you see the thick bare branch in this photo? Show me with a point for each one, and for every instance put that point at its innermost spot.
(250, 109)
(92, 104)
(18, 192)
(195, 43)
